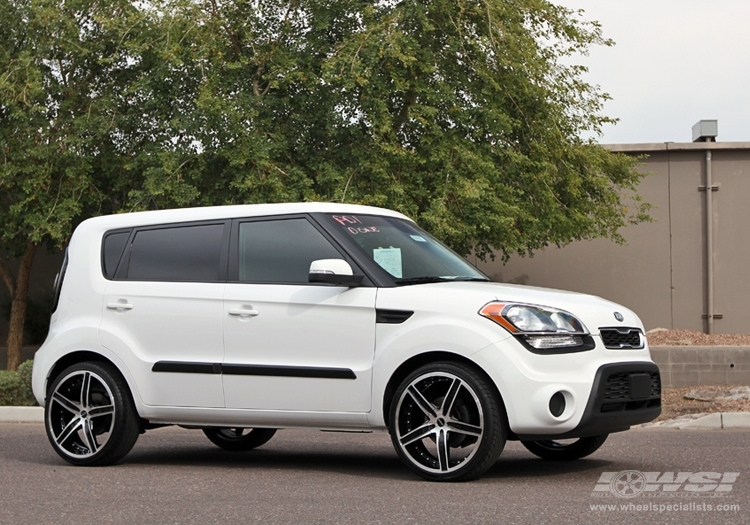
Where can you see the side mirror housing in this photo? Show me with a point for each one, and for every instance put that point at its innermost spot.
(337, 272)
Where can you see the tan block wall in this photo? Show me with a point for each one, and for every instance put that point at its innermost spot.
(661, 273)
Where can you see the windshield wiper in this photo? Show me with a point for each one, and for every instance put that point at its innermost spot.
(437, 279)
(421, 280)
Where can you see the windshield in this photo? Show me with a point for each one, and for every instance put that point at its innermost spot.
(407, 253)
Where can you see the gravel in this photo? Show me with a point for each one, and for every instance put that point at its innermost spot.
(690, 401)
(664, 337)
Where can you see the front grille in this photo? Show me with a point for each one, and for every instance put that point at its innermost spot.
(618, 385)
(619, 338)
(617, 393)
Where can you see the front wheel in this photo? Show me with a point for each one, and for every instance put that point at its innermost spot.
(89, 416)
(238, 439)
(447, 423)
(564, 450)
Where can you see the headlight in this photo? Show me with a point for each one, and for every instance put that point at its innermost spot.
(540, 327)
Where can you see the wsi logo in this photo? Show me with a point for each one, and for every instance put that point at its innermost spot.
(631, 483)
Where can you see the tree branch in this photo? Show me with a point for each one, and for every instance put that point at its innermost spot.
(7, 276)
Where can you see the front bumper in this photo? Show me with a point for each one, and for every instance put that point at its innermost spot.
(622, 395)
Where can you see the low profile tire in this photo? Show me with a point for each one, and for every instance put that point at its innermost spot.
(239, 439)
(447, 423)
(89, 415)
(565, 450)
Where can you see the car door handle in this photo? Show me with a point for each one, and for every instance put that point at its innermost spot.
(120, 307)
(241, 312)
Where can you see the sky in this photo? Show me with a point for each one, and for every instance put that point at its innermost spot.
(674, 62)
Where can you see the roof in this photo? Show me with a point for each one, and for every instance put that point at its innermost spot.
(143, 218)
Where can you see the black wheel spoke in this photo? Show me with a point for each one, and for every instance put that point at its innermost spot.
(464, 428)
(85, 388)
(72, 426)
(450, 397)
(417, 434)
(66, 403)
(89, 438)
(443, 449)
(424, 405)
(104, 410)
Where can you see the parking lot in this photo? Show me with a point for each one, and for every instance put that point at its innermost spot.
(176, 476)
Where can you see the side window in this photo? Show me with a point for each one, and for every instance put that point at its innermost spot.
(280, 251)
(184, 254)
(113, 246)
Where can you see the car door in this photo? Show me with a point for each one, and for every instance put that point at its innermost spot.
(162, 313)
(289, 344)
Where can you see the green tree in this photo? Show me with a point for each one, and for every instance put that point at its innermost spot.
(67, 73)
(462, 114)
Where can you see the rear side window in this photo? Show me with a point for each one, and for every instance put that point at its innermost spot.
(59, 281)
(280, 251)
(112, 248)
(184, 253)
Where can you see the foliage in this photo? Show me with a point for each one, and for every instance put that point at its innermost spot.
(15, 386)
(10, 388)
(458, 113)
(465, 115)
(24, 374)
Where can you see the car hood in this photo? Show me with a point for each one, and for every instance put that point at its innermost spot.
(467, 298)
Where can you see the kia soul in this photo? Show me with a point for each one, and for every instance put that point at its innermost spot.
(241, 320)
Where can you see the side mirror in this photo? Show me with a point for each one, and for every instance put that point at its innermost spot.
(333, 271)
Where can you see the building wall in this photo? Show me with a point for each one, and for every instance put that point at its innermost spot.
(661, 273)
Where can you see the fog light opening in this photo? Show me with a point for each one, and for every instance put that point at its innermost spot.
(557, 404)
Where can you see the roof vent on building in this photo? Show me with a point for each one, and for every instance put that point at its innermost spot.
(705, 131)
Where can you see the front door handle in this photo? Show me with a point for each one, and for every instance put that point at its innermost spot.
(120, 307)
(242, 312)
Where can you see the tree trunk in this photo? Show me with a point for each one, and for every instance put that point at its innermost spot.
(19, 295)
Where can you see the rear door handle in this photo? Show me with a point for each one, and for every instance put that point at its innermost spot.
(120, 307)
(242, 312)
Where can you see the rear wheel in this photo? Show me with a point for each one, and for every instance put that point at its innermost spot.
(238, 439)
(565, 450)
(447, 423)
(89, 415)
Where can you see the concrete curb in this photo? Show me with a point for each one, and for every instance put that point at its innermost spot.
(719, 421)
(21, 415)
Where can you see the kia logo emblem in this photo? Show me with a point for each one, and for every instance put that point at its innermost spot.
(619, 316)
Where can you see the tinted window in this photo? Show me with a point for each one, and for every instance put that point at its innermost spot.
(403, 250)
(281, 251)
(186, 253)
(114, 245)
(58, 282)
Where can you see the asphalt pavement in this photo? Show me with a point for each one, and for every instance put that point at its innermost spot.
(173, 475)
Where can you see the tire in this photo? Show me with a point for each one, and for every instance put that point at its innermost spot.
(563, 450)
(239, 439)
(447, 423)
(89, 415)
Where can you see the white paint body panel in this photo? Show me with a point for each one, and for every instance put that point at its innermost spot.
(306, 326)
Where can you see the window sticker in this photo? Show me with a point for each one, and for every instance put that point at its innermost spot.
(389, 260)
(418, 238)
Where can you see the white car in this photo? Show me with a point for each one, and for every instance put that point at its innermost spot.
(240, 320)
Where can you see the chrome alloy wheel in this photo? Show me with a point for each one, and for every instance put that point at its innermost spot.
(439, 422)
(81, 415)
